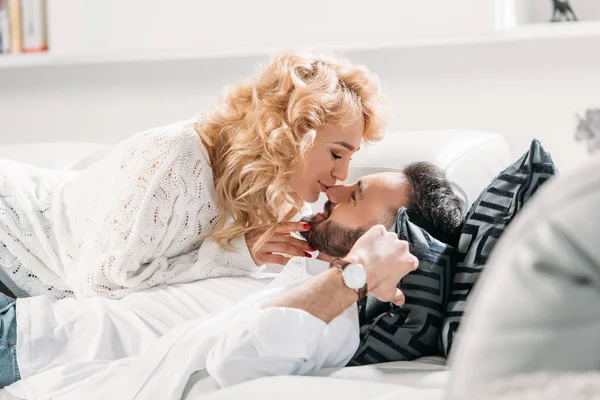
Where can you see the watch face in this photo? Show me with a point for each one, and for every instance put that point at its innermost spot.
(355, 276)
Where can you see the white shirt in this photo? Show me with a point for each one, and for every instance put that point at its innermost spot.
(133, 220)
(52, 332)
(244, 342)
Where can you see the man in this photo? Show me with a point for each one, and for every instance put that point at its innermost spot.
(375, 199)
(309, 307)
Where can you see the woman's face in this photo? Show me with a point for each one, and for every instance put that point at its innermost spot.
(328, 160)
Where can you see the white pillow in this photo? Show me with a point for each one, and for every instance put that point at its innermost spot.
(54, 155)
(91, 158)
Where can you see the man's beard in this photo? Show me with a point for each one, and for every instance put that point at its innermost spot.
(329, 237)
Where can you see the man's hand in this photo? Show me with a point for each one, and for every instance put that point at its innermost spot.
(386, 259)
(384, 256)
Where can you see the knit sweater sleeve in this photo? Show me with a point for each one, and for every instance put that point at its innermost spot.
(151, 213)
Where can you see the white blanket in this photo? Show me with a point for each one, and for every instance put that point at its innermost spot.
(242, 343)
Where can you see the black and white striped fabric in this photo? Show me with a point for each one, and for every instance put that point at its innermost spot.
(485, 222)
(391, 333)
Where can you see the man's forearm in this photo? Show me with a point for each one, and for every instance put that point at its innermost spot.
(325, 296)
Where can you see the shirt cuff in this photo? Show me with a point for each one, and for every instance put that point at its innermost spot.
(286, 332)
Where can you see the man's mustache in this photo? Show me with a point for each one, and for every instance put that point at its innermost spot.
(327, 209)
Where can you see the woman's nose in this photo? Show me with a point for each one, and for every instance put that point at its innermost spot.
(341, 172)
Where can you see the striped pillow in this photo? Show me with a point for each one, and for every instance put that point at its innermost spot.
(392, 333)
(496, 206)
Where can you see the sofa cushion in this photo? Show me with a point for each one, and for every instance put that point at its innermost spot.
(536, 306)
(487, 219)
(51, 155)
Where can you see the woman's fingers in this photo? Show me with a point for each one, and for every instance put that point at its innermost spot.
(274, 259)
(284, 228)
(301, 244)
(293, 227)
(283, 248)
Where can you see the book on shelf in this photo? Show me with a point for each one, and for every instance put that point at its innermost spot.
(4, 27)
(14, 25)
(23, 26)
(33, 26)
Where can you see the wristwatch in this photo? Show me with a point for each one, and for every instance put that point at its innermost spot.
(354, 275)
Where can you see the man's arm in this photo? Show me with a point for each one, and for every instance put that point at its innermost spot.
(386, 260)
(314, 325)
(325, 296)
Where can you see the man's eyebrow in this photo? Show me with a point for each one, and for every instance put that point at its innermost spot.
(346, 145)
(360, 188)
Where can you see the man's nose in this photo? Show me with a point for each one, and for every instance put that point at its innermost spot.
(337, 194)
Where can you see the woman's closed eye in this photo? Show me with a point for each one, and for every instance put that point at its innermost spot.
(335, 156)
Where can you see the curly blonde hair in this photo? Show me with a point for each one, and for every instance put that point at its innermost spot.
(265, 126)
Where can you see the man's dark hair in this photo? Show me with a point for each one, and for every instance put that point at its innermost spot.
(433, 204)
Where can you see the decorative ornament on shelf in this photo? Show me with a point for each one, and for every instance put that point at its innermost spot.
(588, 129)
(562, 11)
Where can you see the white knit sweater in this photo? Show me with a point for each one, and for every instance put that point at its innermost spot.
(133, 220)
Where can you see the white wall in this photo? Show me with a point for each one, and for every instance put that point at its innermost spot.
(521, 90)
(91, 26)
(515, 91)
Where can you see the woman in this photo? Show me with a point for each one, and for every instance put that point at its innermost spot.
(192, 200)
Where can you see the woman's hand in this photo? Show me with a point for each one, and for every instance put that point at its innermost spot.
(281, 246)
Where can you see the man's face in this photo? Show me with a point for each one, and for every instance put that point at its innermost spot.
(353, 209)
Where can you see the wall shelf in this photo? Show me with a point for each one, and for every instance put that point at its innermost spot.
(524, 33)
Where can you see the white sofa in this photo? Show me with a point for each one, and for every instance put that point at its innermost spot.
(471, 160)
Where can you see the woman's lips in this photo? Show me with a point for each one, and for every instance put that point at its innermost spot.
(323, 187)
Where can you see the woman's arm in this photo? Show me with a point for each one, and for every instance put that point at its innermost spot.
(139, 215)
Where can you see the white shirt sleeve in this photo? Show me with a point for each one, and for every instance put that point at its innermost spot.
(281, 341)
